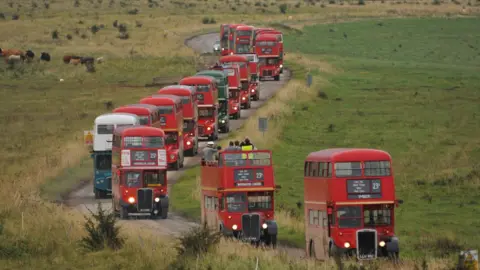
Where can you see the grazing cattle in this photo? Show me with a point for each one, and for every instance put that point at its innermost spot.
(13, 59)
(67, 58)
(8, 52)
(75, 61)
(87, 59)
(45, 57)
(100, 60)
(29, 55)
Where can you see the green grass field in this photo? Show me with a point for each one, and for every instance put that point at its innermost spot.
(410, 87)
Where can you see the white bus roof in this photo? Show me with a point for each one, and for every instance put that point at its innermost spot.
(116, 118)
(251, 57)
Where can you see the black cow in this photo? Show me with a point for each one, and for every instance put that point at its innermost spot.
(87, 59)
(29, 54)
(45, 56)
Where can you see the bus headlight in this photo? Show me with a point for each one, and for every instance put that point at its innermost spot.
(264, 225)
(188, 143)
(382, 243)
(209, 128)
(235, 108)
(131, 200)
(346, 245)
(253, 90)
(234, 227)
(281, 66)
(243, 98)
(157, 199)
(223, 121)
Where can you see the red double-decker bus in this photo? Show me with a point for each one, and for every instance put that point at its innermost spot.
(234, 85)
(207, 98)
(243, 39)
(224, 38)
(253, 66)
(190, 115)
(139, 175)
(231, 41)
(238, 195)
(245, 78)
(349, 203)
(280, 43)
(147, 114)
(268, 47)
(170, 110)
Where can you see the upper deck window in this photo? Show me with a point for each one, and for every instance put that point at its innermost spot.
(377, 168)
(185, 100)
(105, 129)
(266, 43)
(203, 88)
(318, 169)
(244, 33)
(148, 142)
(165, 109)
(348, 169)
(250, 159)
(143, 120)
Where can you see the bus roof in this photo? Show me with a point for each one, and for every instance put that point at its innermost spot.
(200, 79)
(212, 73)
(136, 108)
(233, 58)
(251, 57)
(161, 100)
(349, 154)
(181, 90)
(138, 130)
(269, 31)
(117, 118)
(245, 27)
(232, 26)
(267, 37)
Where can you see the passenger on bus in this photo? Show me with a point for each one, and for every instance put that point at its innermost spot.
(237, 145)
(209, 152)
(217, 154)
(231, 147)
(249, 145)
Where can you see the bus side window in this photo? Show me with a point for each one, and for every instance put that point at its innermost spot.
(306, 168)
(313, 169)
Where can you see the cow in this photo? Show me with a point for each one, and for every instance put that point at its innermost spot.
(67, 58)
(7, 52)
(100, 60)
(29, 54)
(44, 56)
(13, 59)
(75, 61)
(87, 59)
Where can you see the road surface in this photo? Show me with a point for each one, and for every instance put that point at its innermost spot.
(84, 200)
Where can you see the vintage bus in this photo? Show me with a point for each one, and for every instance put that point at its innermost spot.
(238, 195)
(268, 49)
(231, 41)
(253, 65)
(103, 128)
(190, 115)
(170, 110)
(222, 86)
(224, 28)
(280, 44)
(147, 114)
(139, 172)
(243, 37)
(349, 203)
(242, 62)
(234, 85)
(207, 97)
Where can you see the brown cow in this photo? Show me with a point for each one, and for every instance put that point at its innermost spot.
(67, 58)
(75, 61)
(7, 52)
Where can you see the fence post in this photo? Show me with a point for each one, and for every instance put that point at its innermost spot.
(256, 266)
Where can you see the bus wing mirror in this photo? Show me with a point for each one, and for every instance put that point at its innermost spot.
(399, 201)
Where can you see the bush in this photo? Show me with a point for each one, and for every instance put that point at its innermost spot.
(133, 11)
(198, 241)
(283, 8)
(361, 2)
(123, 35)
(122, 28)
(55, 34)
(94, 29)
(207, 20)
(102, 234)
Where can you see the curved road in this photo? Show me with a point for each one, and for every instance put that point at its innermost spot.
(84, 200)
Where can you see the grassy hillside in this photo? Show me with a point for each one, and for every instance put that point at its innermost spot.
(408, 86)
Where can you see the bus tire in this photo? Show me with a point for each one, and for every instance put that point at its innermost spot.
(164, 213)
(123, 212)
(311, 249)
(256, 97)
(277, 78)
(177, 165)
(237, 115)
(273, 241)
(97, 194)
(190, 152)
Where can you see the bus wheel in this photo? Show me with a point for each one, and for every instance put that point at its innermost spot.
(123, 213)
(393, 256)
(164, 213)
(312, 250)
(273, 240)
(237, 115)
(256, 97)
(277, 78)
(97, 193)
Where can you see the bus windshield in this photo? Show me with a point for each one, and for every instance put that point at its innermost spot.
(349, 216)
(205, 112)
(185, 100)
(188, 125)
(132, 179)
(203, 88)
(236, 202)
(165, 109)
(259, 201)
(377, 215)
(154, 178)
(103, 162)
(223, 105)
(244, 33)
(171, 138)
(143, 120)
(105, 129)
(242, 48)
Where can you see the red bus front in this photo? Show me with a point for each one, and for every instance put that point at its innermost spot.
(234, 98)
(139, 177)
(190, 115)
(279, 35)
(254, 88)
(246, 189)
(356, 200)
(207, 122)
(169, 108)
(242, 63)
(243, 37)
(267, 47)
(231, 41)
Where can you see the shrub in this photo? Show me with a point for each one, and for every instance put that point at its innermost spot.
(122, 28)
(436, 2)
(104, 233)
(297, 5)
(2, 16)
(361, 2)
(55, 34)
(46, 5)
(76, 3)
(283, 8)
(94, 29)
(133, 11)
(123, 35)
(198, 241)
(15, 17)
(69, 37)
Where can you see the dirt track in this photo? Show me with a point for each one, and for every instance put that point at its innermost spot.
(84, 198)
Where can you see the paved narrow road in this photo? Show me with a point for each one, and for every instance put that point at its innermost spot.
(83, 199)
